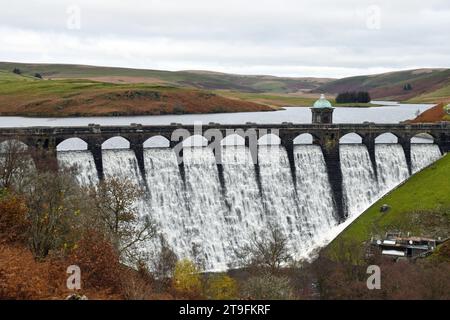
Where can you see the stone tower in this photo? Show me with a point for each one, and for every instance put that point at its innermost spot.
(322, 111)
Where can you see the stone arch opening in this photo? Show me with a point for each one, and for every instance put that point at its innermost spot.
(387, 137)
(304, 138)
(156, 142)
(422, 138)
(13, 145)
(72, 144)
(351, 138)
(233, 140)
(116, 143)
(195, 141)
(269, 139)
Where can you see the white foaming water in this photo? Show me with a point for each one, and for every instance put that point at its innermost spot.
(359, 183)
(423, 154)
(207, 208)
(168, 200)
(201, 222)
(246, 216)
(83, 162)
(283, 207)
(314, 196)
(391, 166)
(122, 164)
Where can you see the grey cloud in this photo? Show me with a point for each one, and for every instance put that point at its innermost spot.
(284, 37)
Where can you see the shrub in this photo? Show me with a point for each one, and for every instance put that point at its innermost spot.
(136, 285)
(186, 279)
(178, 109)
(17, 71)
(267, 287)
(21, 277)
(98, 261)
(53, 200)
(13, 219)
(221, 287)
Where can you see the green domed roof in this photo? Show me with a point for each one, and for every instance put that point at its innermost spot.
(447, 109)
(322, 103)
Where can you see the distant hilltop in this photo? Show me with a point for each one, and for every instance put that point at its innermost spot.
(427, 84)
(32, 89)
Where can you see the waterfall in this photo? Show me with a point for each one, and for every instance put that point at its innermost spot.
(314, 196)
(168, 199)
(83, 163)
(305, 216)
(361, 189)
(245, 217)
(423, 154)
(122, 164)
(207, 208)
(279, 195)
(391, 166)
(202, 221)
(359, 182)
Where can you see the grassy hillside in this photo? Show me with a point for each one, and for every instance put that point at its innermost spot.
(25, 95)
(285, 100)
(196, 79)
(124, 91)
(442, 94)
(389, 86)
(420, 206)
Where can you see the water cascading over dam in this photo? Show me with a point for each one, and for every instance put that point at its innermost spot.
(206, 218)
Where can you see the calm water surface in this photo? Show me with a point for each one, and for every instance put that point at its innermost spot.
(390, 112)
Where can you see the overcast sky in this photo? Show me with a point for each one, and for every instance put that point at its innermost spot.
(278, 37)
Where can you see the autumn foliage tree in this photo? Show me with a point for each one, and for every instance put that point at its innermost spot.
(117, 215)
(221, 287)
(186, 279)
(13, 218)
(53, 200)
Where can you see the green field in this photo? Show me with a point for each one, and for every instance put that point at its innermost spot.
(441, 95)
(193, 79)
(390, 86)
(420, 206)
(286, 100)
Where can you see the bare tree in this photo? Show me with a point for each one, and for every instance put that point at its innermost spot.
(53, 200)
(15, 163)
(268, 250)
(267, 287)
(163, 264)
(115, 202)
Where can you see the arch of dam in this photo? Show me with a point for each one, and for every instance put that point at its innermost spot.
(327, 136)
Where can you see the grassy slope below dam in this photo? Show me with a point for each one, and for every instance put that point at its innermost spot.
(420, 206)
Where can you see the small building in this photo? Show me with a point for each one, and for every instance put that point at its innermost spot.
(396, 246)
(322, 111)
